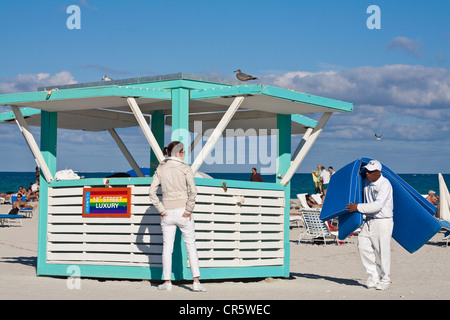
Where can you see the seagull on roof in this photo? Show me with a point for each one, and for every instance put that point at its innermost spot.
(49, 92)
(106, 78)
(378, 137)
(244, 77)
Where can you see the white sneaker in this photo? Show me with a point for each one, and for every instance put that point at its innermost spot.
(371, 282)
(382, 286)
(165, 286)
(198, 287)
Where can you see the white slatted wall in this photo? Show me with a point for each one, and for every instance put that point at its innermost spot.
(228, 234)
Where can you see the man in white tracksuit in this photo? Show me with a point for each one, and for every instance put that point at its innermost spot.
(376, 233)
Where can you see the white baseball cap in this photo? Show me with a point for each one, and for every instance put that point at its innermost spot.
(373, 165)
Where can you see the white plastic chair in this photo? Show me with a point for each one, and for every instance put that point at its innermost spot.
(446, 226)
(11, 220)
(315, 227)
(295, 215)
(317, 198)
(446, 239)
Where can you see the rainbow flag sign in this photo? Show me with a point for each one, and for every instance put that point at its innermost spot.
(107, 202)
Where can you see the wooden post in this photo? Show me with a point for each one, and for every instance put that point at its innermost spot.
(283, 144)
(126, 152)
(180, 118)
(302, 142)
(20, 120)
(283, 163)
(145, 128)
(180, 132)
(49, 125)
(308, 144)
(157, 126)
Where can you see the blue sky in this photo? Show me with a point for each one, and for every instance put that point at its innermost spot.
(398, 77)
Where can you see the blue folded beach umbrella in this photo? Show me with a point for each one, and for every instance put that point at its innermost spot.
(414, 223)
(389, 174)
(344, 187)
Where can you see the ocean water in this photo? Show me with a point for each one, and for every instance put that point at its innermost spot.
(11, 181)
(300, 183)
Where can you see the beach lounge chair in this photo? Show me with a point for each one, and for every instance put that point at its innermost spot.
(24, 211)
(11, 220)
(305, 206)
(446, 225)
(295, 215)
(446, 238)
(317, 198)
(316, 229)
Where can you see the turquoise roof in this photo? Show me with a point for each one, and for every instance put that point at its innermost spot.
(207, 95)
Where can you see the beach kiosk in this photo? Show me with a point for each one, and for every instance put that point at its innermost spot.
(107, 227)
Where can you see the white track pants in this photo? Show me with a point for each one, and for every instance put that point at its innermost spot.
(169, 225)
(375, 240)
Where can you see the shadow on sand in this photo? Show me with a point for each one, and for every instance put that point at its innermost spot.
(347, 282)
(26, 261)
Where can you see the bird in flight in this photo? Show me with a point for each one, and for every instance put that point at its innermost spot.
(106, 78)
(378, 137)
(244, 77)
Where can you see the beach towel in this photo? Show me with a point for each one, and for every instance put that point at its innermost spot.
(13, 211)
(67, 174)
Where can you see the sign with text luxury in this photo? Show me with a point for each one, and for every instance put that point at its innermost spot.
(107, 202)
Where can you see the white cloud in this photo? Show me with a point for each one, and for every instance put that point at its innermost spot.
(85, 4)
(403, 85)
(30, 82)
(399, 101)
(407, 45)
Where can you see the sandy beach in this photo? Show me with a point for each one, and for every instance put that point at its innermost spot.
(317, 272)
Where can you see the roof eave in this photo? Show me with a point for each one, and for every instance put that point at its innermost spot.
(285, 94)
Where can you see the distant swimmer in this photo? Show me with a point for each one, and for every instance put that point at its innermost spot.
(378, 137)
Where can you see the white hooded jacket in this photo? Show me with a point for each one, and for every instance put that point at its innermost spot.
(174, 176)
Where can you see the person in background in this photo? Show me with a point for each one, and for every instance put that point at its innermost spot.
(376, 233)
(20, 204)
(324, 180)
(434, 201)
(6, 196)
(175, 177)
(331, 170)
(311, 202)
(22, 191)
(256, 176)
(35, 186)
(316, 174)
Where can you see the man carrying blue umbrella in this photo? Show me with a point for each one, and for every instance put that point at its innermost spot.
(376, 232)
